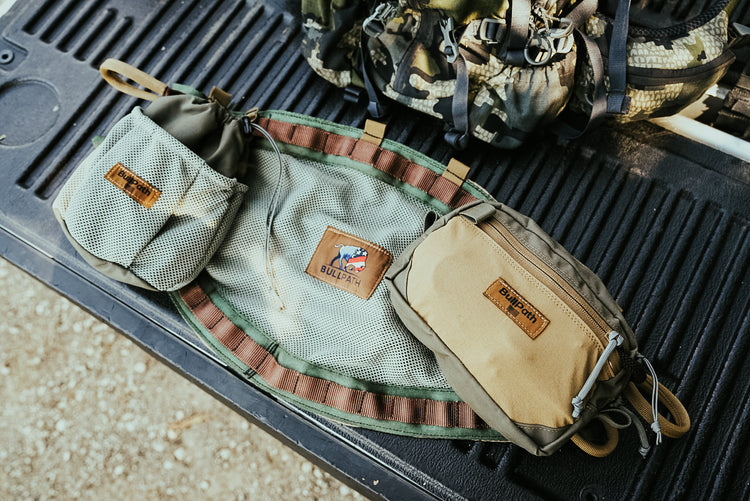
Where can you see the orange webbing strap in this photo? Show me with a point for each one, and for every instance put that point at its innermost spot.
(367, 152)
(364, 403)
(681, 418)
(596, 450)
(116, 73)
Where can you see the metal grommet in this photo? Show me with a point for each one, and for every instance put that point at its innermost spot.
(6, 56)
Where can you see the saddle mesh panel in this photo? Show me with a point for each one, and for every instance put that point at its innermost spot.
(312, 320)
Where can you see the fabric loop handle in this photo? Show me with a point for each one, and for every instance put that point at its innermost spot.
(115, 73)
(597, 450)
(675, 429)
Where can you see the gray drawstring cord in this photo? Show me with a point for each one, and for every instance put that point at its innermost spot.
(654, 398)
(630, 419)
(272, 210)
(645, 446)
(614, 340)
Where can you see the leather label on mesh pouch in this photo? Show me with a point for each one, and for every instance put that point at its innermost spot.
(135, 187)
(349, 263)
(518, 309)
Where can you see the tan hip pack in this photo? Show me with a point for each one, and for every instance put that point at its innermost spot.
(526, 334)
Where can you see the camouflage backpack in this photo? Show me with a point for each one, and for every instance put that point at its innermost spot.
(499, 70)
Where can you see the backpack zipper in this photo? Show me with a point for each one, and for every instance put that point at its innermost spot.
(658, 76)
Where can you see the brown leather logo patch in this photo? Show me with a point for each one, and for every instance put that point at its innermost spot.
(349, 263)
(523, 313)
(135, 187)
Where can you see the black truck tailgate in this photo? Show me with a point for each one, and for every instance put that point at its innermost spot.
(664, 221)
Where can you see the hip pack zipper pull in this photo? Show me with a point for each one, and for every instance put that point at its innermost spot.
(615, 340)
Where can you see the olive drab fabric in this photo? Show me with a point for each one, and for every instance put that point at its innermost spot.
(261, 226)
(499, 70)
(151, 204)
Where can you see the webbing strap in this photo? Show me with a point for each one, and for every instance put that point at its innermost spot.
(617, 100)
(418, 411)
(518, 32)
(116, 73)
(459, 137)
(598, 101)
(582, 12)
(376, 105)
(366, 152)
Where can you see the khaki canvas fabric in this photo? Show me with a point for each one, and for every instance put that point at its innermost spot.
(504, 360)
(520, 328)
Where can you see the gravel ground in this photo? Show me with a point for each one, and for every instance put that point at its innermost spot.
(86, 414)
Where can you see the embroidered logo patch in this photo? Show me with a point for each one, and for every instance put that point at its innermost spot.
(349, 263)
(135, 187)
(518, 309)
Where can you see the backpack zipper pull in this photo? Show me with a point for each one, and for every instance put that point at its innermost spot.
(615, 340)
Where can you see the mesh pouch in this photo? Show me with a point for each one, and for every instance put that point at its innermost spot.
(145, 209)
(526, 334)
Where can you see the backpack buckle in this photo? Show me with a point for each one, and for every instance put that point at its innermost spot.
(450, 49)
(374, 25)
(491, 30)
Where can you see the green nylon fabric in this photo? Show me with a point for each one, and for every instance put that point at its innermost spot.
(205, 127)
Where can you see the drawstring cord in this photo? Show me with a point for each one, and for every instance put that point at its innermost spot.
(630, 419)
(247, 121)
(617, 407)
(655, 426)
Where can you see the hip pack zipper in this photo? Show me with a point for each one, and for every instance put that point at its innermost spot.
(545, 274)
(652, 77)
(609, 340)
